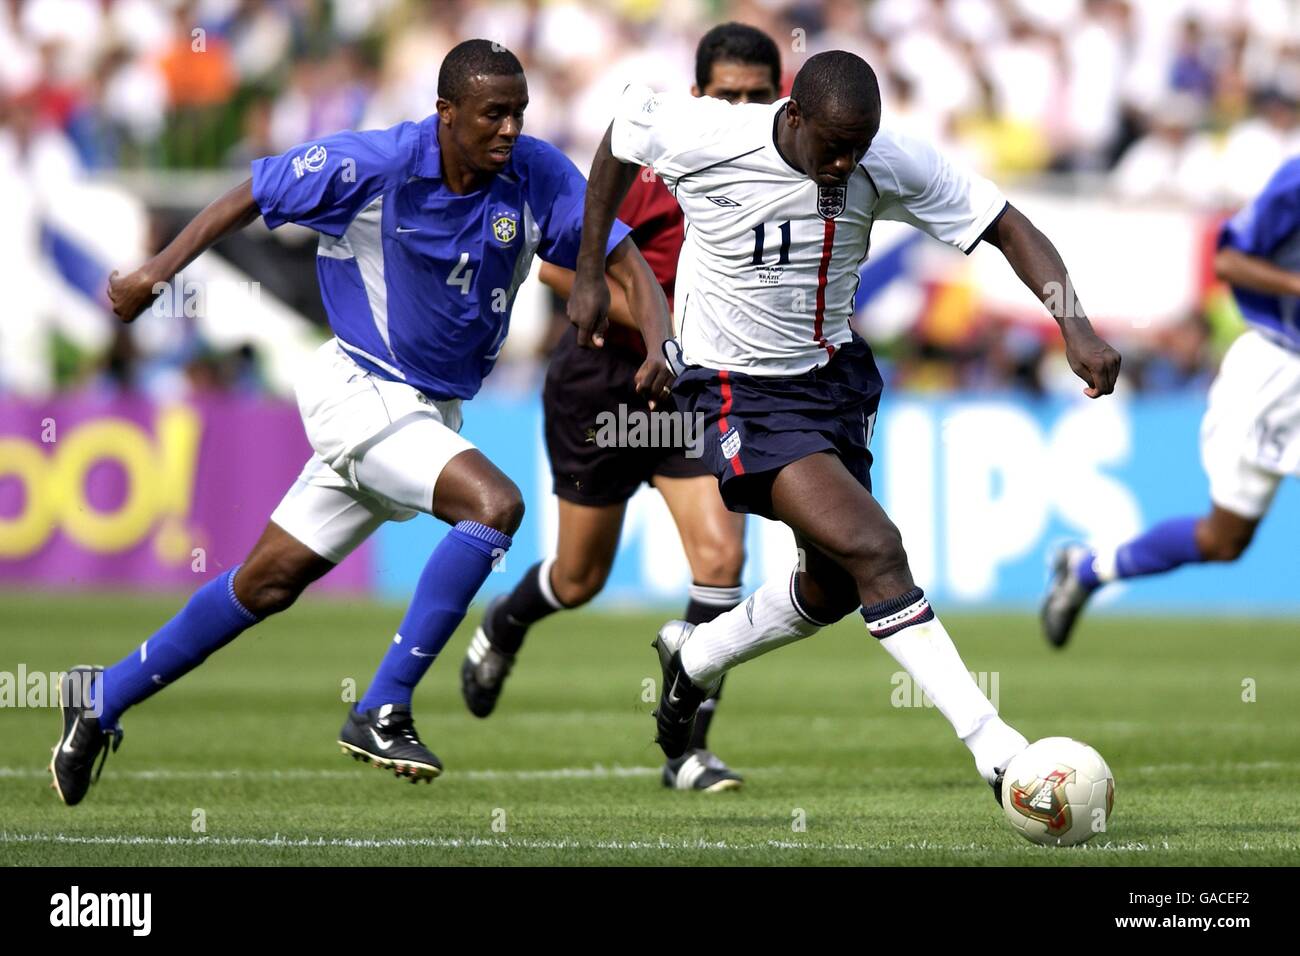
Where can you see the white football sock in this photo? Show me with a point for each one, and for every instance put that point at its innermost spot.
(993, 745)
(926, 652)
(771, 618)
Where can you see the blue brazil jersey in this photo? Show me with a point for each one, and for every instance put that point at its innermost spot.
(418, 282)
(1270, 228)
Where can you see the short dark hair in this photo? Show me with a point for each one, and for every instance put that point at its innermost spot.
(836, 83)
(736, 43)
(470, 59)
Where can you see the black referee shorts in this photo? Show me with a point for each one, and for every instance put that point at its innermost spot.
(581, 384)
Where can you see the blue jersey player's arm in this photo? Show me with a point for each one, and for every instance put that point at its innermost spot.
(322, 185)
(325, 183)
(1248, 239)
(131, 294)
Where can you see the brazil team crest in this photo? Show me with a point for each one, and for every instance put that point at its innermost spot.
(831, 200)
(504, 228)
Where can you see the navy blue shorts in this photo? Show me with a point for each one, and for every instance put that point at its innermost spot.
(755, 426)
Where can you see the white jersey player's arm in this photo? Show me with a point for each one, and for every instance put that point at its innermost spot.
(1040, 267)
(672, 133)
(589, 298)
(918, 185)
(662, 130)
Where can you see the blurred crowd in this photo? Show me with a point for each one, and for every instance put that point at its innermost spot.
(1189, 102)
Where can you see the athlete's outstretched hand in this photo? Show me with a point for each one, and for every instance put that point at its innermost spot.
(1091, 359)
(589, 309)
(131, 294)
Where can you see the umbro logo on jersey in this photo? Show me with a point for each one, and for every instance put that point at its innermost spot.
(724, 201)
(831, 200)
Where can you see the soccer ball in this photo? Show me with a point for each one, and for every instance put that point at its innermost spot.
(1058, 792)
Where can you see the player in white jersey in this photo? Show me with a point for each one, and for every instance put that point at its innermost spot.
(779, 202)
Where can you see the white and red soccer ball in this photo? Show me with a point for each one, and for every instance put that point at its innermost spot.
(1058, 792)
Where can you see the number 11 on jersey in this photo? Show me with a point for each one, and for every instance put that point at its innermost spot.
(783, 258)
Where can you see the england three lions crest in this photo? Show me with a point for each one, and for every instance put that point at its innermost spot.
(831, 200)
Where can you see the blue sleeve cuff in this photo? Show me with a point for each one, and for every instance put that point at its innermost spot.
(260, 188)
(1227, 237)
(617, 234)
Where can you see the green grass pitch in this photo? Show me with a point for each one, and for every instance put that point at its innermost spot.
(237, 763)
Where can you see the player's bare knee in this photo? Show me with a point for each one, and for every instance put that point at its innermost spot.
(576, 586)
(718, 561)
(1226, 546)
(268, 589)
(879, 566)
(501, 507)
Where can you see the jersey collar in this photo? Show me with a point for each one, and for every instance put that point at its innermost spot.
(778, 110)
(430, 162)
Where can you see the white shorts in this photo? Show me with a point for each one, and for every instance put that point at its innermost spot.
(1250, 436)
(380, 447)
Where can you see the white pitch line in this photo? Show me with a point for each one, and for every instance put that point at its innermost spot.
(455, 843)
(597, 772)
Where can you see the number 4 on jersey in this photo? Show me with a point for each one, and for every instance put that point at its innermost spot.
(462, 276)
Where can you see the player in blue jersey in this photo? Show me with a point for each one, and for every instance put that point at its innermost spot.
(426, 232)
(1250, 436)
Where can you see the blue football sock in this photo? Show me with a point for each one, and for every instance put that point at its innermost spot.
(212, 618)
(1168, 545)
(455, 571)
(1087, 573)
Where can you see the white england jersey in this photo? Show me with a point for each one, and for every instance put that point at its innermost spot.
(769, 267)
